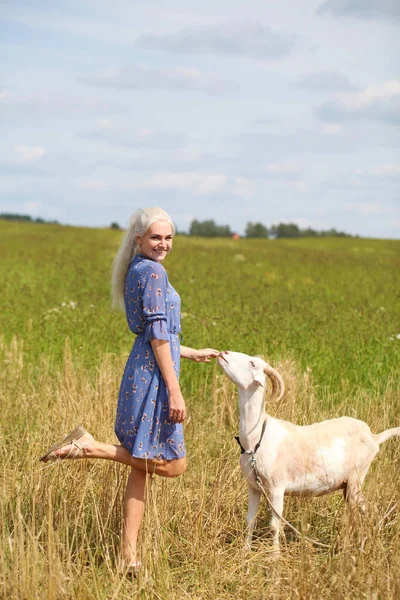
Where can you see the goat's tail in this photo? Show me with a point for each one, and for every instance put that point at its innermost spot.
(386, 435)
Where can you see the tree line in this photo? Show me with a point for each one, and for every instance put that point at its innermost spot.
(26, 218)
(209, 228)
(29, 219)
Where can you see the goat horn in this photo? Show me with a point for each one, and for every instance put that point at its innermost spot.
(276, 380)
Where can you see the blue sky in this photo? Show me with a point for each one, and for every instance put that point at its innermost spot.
(258, 111)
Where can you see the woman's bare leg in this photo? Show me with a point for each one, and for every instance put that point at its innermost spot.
(94, 449)
(133, 513)
(141, 471)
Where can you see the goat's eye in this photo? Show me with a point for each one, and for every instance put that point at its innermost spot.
(253, 364)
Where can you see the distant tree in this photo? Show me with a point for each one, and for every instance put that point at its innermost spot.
(291, 230)
(25, 218)
(223, 231)
(273, 231)
(195, 227)
(309, 232)
(334, 233)
(287, 230)
(256, 230)
(209, 229)
(15, 217)
(115, 225)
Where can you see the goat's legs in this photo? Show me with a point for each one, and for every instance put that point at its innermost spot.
(354, 497)
(356, 503)
(252, 508)
(352, 491)
(276, 498)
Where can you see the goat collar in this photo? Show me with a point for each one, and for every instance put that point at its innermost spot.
(243, 451)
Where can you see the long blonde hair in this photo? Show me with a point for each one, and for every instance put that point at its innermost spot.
(139, 223)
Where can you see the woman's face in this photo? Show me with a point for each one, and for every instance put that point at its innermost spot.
(157, 241)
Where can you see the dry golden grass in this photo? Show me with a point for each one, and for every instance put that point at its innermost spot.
(61, 523)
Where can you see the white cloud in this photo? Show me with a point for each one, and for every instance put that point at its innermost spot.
(388, 171)
(249, 39)
(53, 104)
(120, 133)
(378, 102)
(196, 183)
(360, 100)
(366, 208)
(143, 77)
(190, 156)
(325, 81)
(331, 129)
(202, 184)
(299, 186)
(20, 207)
(262, 145)
(283, 168)
(96, 185)
(242, 187)
(32, 206)
(364, 9)
(29, 153)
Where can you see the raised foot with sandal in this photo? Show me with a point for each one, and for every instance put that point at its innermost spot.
(72, 439)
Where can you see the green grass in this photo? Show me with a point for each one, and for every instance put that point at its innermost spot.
(332, 304)
(322, 310)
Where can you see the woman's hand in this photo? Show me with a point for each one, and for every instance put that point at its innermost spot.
(205, 355)
(177, 408)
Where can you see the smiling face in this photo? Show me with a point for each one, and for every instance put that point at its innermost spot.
(157, 241)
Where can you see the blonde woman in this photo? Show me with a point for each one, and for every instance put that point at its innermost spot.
(151, 408)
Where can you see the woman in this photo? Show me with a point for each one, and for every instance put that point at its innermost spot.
(151, 408)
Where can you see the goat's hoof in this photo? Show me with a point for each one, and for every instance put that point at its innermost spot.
(247, 547)
(275, 554)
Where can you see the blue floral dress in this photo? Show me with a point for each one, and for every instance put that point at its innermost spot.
(153, 312)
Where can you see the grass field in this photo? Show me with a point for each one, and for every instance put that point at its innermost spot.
(324, 311)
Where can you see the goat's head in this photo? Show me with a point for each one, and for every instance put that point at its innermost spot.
(246, 371)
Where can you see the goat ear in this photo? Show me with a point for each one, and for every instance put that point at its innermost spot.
(258, 374)
(260, 378)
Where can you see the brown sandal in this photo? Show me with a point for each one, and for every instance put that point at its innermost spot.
(125, 568)
(72, 438)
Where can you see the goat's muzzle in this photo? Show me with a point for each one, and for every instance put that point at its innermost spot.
(221, 356)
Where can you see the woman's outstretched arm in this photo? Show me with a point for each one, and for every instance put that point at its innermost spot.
(203, 355)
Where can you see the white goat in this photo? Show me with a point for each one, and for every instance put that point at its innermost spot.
(309, 460)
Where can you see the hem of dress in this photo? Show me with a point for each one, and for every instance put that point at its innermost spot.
(149, 457)
(159, 457)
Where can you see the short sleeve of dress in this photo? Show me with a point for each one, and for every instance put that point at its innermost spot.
(154, 303)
